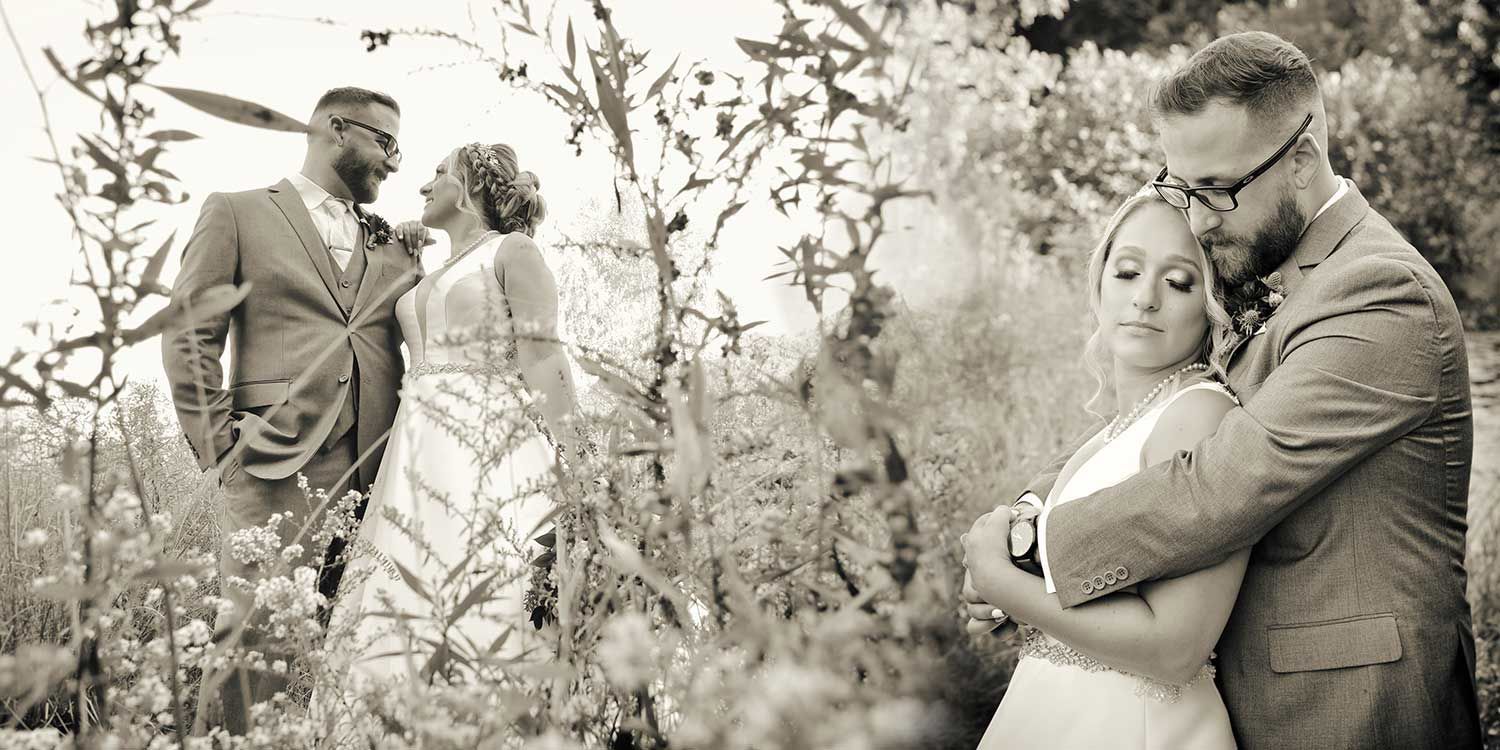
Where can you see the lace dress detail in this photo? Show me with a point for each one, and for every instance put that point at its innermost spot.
(1036, 645)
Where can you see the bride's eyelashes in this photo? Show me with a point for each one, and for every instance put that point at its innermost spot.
(1186, 287)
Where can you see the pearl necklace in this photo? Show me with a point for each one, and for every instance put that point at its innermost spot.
(1119, 425)
(481, 238)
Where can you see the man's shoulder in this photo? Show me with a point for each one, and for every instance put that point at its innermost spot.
(1375, 253)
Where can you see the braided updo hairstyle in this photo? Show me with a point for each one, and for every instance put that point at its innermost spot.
(496, 190)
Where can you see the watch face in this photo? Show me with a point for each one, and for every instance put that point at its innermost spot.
(1022, 537)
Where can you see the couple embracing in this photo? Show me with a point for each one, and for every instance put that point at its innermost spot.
(454, 464)
(1264, 547)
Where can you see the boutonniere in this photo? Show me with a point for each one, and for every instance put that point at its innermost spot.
(377, 230)
(1251, 304)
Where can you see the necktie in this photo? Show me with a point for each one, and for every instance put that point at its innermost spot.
(340, 232)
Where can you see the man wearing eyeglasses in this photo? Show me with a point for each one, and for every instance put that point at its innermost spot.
(315, 357)
(1347, 467)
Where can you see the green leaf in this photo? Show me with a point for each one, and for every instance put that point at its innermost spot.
(153, 268)
(661, 81)
(564, 94)
(725, 214)
(164, 136)
(693, 183)
(619, 385)
(478, 594)
(210, 302)
(412, 581)
(104, 160)
(61, 71)
(572, 46)
(758, 50)
(613, 109)
(234, 110)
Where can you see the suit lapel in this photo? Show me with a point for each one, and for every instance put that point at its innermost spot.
(285, 197)
(371, 275)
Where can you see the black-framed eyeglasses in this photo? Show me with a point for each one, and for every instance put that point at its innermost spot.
(392, 151)
(1222, 197)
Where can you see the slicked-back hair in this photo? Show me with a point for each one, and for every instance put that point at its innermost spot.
(354, 97)
(1257, 70)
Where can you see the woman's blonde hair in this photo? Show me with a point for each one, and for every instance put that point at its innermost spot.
(1096, 355)
(495, 189)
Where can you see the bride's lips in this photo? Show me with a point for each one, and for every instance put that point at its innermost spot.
(1140, 325)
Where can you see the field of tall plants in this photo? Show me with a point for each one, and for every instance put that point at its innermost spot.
(762, 549)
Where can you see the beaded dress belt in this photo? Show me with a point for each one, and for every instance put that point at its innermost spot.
(449, 368)
(1037, 645)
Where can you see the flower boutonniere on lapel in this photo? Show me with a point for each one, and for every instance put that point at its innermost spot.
(377, 230)
(1251, 304)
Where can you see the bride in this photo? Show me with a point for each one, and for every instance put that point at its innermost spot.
(1132, 669)
(437, 581)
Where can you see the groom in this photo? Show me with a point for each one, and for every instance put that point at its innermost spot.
(1347, 468)
(315, 357)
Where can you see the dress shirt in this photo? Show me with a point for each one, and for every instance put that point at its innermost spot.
(334, 218)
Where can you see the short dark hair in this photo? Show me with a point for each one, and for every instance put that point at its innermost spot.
(353, 96)
(1257, 70)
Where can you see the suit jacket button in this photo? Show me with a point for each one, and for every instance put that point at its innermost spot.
(1110, 577)
(1099, 582)
(343, 378)
(1121, 573)
(1088, 588)
(344, 283)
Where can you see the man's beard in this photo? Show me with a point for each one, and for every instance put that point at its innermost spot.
(360, 176)
(1237, 261)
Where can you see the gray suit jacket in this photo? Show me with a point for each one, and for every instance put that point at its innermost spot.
(292, 348)
(1348, 470)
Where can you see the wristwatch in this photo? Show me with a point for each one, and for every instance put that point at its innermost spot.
(1023, 538)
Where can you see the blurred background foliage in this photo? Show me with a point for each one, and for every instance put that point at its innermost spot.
(1031, 138)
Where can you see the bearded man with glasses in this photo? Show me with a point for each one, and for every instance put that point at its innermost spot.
(1345, 470)
(314, 361)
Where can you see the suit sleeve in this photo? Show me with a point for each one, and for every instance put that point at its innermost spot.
(191, 356)
(1359, 368)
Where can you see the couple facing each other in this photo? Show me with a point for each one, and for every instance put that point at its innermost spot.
(315, 370)
(1284, 493)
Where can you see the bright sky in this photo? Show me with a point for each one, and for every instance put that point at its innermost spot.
(273, 53)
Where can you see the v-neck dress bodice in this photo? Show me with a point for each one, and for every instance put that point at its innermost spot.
(1053, 683)
(458, 316)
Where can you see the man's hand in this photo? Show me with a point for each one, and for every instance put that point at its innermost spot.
(414, 236)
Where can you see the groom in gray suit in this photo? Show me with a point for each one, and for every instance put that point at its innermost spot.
(1347, 468)
(314, 351)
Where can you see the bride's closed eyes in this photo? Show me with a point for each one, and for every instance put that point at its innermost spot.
(1181, 284)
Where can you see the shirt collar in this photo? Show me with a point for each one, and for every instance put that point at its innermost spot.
(312, 194)
(1337, 194)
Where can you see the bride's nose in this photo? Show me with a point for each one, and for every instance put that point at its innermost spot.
(1145, 297)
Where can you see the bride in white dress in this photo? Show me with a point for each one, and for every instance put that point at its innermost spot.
(1131, 670)
(440, 569)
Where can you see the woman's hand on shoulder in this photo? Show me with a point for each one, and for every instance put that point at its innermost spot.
(413, 235)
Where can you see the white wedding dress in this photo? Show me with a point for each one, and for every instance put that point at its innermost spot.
(442, 558)
(1059, 698)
